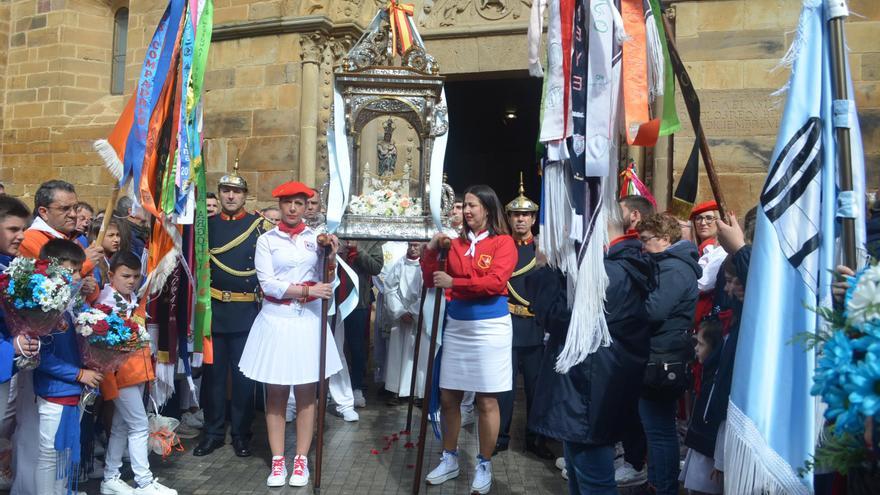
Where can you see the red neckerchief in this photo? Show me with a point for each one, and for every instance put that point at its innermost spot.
(525, 242)
(625, 237)
(292, 231)
(708, 242)
(238, 216)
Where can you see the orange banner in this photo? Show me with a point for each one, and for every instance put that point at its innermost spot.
(641, 130)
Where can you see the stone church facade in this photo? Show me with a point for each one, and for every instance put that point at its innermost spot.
(269, 82)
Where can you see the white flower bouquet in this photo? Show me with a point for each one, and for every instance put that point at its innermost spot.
(385, 203)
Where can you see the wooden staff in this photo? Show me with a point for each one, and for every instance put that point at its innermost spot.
(435, 325)
(692, 103)
(844, 151)
(324, 242)
(415, 368)
(108, 214)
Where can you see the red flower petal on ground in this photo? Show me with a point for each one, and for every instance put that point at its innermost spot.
(386, 447)
(409, 445)
(395, 437)
(374, 452)
(410, 466)
(405, 432)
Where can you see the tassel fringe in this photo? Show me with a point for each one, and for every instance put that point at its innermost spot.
(620, 35)
(555, 237)
(753, 466)
(111, 160)
(656, 63)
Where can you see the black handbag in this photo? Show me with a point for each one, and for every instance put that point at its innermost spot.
(667, 375)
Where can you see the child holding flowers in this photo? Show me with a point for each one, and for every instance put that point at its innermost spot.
(58, 382)
(126, 389)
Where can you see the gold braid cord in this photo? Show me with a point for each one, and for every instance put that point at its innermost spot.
(232, 245)
(521, 271)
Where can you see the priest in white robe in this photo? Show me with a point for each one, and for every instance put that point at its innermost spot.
(403, 285)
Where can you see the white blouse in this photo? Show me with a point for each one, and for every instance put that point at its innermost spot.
(281, 261)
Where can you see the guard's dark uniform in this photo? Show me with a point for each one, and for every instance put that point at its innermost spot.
(234, 306)
(528, 341)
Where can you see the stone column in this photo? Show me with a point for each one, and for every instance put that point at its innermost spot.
(311, 48)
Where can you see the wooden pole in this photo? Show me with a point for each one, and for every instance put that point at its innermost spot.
(415, 367)
(324, 242)
(435, 325)
(108, 214)
(692, 102)
(838, 15)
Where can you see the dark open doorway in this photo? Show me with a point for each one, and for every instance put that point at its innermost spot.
(493, 132)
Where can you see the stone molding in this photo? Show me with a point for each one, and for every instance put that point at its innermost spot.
(289, 25)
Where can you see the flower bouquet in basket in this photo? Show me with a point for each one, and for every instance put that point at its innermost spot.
(847, 377)
(107, 339)
(34, 295)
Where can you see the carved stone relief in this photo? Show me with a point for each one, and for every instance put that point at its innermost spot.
(445, 13)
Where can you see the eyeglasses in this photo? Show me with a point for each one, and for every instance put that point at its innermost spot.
(646, 239)
(707, 219)
(64, 209)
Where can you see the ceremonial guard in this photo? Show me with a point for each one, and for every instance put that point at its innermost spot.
(528, 336)
(235, 303)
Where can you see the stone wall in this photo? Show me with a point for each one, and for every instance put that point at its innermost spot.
(268, 85)
(731, 49)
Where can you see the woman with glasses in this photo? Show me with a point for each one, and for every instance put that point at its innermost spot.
(669, 309)
(704, 218)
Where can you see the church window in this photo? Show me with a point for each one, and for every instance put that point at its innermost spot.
(120, 43)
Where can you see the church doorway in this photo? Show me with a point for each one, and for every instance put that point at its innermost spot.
(493, 133)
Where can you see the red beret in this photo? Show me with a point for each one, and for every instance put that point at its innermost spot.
(703, 208)
(292, 188)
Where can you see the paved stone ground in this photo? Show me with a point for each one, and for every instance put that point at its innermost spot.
(349, 466)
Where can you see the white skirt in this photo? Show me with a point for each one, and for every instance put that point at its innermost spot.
(477, 355)
(283, 346)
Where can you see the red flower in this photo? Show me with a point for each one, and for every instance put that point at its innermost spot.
(103, 308)
(101, 328)
(374, 452)
(42, 267)
(4, 282)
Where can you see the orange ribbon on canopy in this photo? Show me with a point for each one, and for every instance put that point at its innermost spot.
(641, 130)
(401, 32)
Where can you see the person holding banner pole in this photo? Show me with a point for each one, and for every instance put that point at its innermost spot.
(478, 334)
(282, 349)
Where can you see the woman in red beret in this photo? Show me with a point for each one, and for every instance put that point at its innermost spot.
(283, 346)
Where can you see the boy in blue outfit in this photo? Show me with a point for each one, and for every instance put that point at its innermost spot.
(58, 382)
(13, 222)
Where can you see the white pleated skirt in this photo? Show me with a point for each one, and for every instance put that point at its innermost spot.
(283, 345)
(477, 355)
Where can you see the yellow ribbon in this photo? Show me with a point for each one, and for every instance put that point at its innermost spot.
(400, 28)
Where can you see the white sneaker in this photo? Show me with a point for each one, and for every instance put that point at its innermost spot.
(467, 417)
(155, 488)
(350, 415)
(482, 477)
(565, 474)
(185, 431)
(115, 486)
(190, 419)
(359, 400)
(446, 470)
(278, 474)
(560, 463)
(628, 476)
(300, 476)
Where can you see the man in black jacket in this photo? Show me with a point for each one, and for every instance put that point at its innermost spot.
(589, 407)
(235, 291)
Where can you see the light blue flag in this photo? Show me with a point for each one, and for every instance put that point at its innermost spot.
(772, 421)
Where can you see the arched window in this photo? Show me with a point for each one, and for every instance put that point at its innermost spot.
(120, 43)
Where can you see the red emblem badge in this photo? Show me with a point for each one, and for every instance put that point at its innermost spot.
(485, 261)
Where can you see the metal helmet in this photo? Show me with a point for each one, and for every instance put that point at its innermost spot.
(521, 203)
(233, 179)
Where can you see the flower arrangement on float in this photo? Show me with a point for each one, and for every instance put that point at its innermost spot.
(385, 202)
(847, 375)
